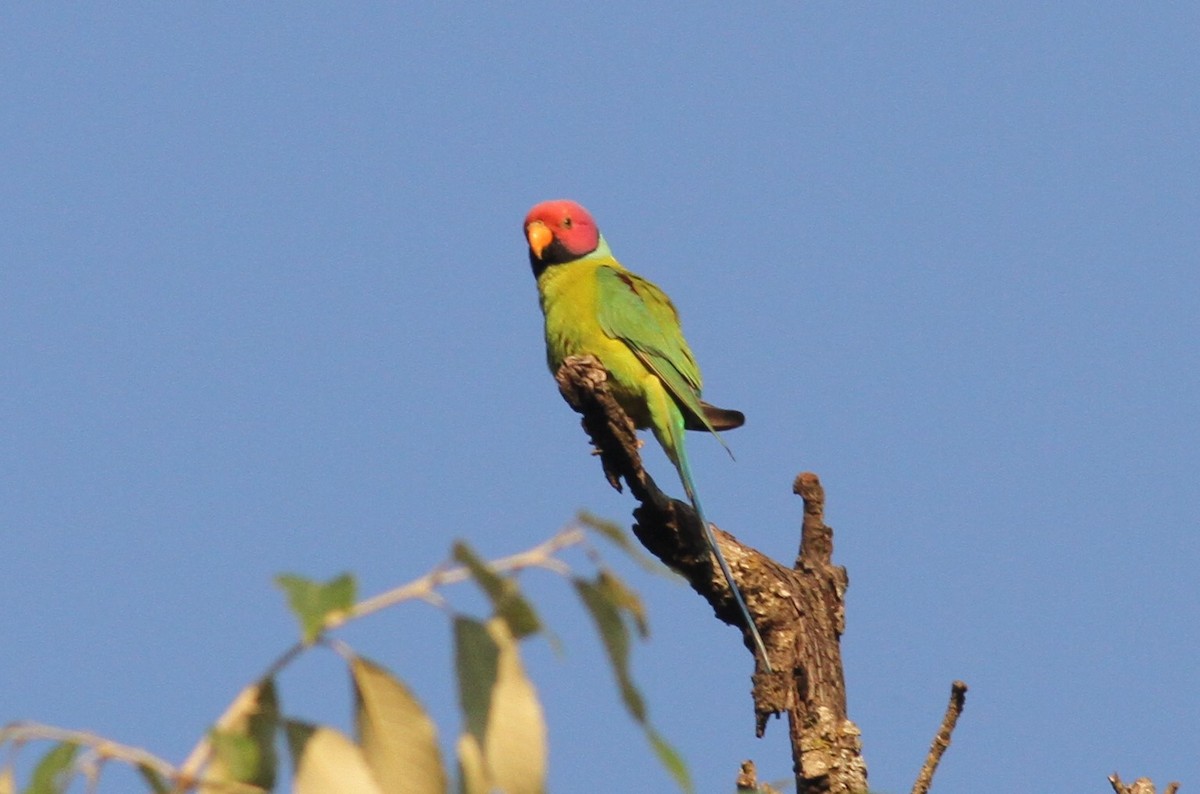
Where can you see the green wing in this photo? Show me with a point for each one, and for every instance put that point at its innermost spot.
(641, 315)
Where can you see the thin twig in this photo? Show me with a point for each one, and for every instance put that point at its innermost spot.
(540, 556)
(958, 698)
(102, 748)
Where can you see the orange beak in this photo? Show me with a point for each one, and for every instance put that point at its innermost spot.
(539, 236)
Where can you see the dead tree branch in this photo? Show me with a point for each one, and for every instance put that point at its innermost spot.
(1142, 785)
(799, 611)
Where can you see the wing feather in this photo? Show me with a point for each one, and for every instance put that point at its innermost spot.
(641, 315)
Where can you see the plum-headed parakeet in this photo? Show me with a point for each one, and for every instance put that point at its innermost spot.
(594, 306)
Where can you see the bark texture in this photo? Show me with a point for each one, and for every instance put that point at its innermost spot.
(1143, 785)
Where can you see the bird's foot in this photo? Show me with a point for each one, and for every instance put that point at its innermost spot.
(597, 451)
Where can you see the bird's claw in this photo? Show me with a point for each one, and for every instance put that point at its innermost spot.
(597, 451)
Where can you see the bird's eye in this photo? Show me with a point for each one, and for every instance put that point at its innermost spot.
(566, 224)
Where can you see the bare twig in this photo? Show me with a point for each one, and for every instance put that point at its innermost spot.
(748, 783)
(958, 698)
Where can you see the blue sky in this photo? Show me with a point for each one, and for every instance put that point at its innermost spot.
(265, 307)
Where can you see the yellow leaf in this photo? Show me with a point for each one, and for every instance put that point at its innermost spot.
(471, 772)
(514, 745)
(399, 740)
(328, 762)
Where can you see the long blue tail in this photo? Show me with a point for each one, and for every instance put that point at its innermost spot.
(685, 475)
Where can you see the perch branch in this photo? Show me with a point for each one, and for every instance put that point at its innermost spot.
(668, 528)
(798, 610)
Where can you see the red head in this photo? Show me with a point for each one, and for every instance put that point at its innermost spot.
(559, 231)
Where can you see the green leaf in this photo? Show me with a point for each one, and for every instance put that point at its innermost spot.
(625, 599)
(326, 761)
(154, 780)
(476, 660)
(671, 759)
(297, 734)
(619, 536)
(244, 751)
(609, 600)
(50, 775)
(235, 758)
(514, 748)
(614, 634)
(315, 604)
(399, 740)
(503, 592)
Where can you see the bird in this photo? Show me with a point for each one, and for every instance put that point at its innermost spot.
(594, 306)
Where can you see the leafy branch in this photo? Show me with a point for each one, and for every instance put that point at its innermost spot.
(395, 747)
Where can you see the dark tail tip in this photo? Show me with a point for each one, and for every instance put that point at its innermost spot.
(722, 418)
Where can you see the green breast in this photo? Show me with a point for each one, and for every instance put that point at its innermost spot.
(569, 296)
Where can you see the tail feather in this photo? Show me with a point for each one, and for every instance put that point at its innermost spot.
(718, 418)
(685, 475)
(714, 419)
